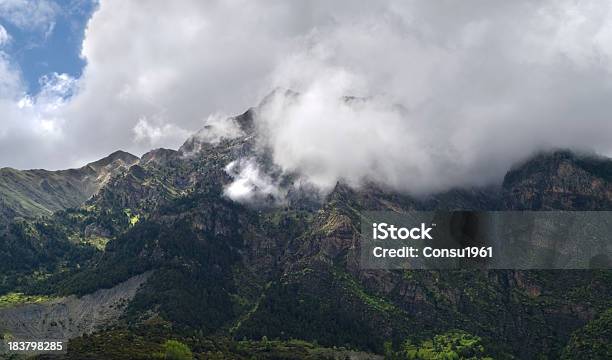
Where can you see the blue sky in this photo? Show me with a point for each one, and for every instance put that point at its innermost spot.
(47, 39)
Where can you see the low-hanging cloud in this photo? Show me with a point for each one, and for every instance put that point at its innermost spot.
(443, 98)
(418, 96)
(250, 184)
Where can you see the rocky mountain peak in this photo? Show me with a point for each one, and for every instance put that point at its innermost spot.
(118, 157)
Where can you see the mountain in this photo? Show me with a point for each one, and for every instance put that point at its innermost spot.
(32, 193)
(163, 246)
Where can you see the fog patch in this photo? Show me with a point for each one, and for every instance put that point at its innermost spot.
(252, 185)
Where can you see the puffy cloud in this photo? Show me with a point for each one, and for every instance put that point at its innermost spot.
(445, 101)
(448, 93)
(31, 126)
(180, 63)
(445, 97)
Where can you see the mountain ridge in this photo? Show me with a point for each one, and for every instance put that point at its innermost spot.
(37, 192)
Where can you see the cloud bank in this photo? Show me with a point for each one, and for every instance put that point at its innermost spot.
(440, 94)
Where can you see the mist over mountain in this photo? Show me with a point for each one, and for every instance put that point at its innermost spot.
(461, 96)
(367, 142)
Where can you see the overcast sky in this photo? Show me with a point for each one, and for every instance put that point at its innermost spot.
(457, 90)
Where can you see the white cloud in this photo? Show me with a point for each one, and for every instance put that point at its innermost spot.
(252, 185)
(154, 135)
(454, 92)
(56, 89)
(10, 82)
(30, 125)
(217, 127)
(29, 14)
(4, 36)
(450, 98)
